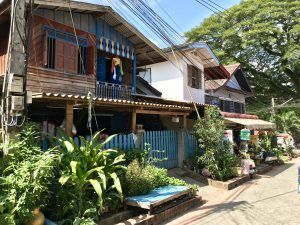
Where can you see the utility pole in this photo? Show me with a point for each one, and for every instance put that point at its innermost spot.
(14, 91)
(273, 107)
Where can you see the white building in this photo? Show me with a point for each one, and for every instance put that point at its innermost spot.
(229, 93)
(180, 78)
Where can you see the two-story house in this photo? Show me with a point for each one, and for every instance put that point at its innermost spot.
(183, 78)
(83, 54)
(228, 93)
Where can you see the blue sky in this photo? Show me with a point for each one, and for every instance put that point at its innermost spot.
(186, 13)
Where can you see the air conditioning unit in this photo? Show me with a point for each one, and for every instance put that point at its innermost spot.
(17, 103)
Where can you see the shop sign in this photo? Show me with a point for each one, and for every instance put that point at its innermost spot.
(228, 136)
(245, 135)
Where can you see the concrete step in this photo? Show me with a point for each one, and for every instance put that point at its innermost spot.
(177, 172)
(263, 168)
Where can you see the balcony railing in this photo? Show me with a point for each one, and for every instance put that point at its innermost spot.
(114, 91)
(225, 105)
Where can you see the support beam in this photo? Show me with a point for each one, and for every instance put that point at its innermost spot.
(156, 112)
(69, 118)
(134, 74)
(184, 122)
(133, 121)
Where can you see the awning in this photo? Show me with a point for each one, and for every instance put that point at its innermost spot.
(252, 124)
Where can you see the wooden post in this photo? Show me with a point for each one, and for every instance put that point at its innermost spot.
(16, 56)
(134, 73)
(133, 121)
(139, 132)
(184, 122)
(181, 147)
(69, 118)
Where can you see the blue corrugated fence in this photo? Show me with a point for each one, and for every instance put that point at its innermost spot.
(122, 141)
(191, 145)
(163, 147)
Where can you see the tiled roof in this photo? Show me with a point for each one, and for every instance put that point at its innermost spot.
(214, 84)
(232, 68)
(238, 115)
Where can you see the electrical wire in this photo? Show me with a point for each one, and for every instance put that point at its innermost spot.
(77, 42)
(170, 43)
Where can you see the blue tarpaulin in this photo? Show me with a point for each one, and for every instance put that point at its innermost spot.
(158, 194)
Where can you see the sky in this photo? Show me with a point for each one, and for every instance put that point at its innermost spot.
(182, 15)
(186, 13)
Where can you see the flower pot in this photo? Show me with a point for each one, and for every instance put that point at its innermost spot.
(238, 171)
(39, 218)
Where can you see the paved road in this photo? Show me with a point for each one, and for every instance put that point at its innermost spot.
(270, 199)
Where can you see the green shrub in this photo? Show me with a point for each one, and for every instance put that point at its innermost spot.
(133, 154)
(140, 180)
(137, 180)
(217, 157)
(88, 179)
(25, 177)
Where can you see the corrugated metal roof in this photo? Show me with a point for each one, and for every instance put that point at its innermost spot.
(253, 124)
(119, 102)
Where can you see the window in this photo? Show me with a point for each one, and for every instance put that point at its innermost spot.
(49, 52)
(194, 77)
(61, 53)
(230, 106)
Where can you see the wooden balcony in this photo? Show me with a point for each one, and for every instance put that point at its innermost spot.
(114, 91)
(225, 105)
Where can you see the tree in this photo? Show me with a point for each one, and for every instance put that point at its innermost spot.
(263, 36)
(288, 121)
(217, 157)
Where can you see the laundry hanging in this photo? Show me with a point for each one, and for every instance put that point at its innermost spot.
(116, 71)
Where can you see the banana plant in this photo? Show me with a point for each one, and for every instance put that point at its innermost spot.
(89, 167)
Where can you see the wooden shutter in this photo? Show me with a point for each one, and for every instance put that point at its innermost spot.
(59, 55)
(70, 57)
(198, 79)
(91, 60)
(45, 49)
(189, 74)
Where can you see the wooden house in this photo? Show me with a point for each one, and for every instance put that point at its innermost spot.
(82, 65)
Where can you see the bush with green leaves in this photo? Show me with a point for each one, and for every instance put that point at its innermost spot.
(88, 179)
(25, 176)
(217, 157)
(141, 179)
(137, 180)
(133, 154)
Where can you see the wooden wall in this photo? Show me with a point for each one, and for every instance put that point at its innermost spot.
(4, 33)
(85, 22)
(41, 79)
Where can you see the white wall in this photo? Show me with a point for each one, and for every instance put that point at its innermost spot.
(167, 79)
(172, 81)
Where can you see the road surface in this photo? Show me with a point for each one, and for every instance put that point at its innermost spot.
(269, 199)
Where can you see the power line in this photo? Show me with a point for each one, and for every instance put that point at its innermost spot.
(136, 9)
(216, 4)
